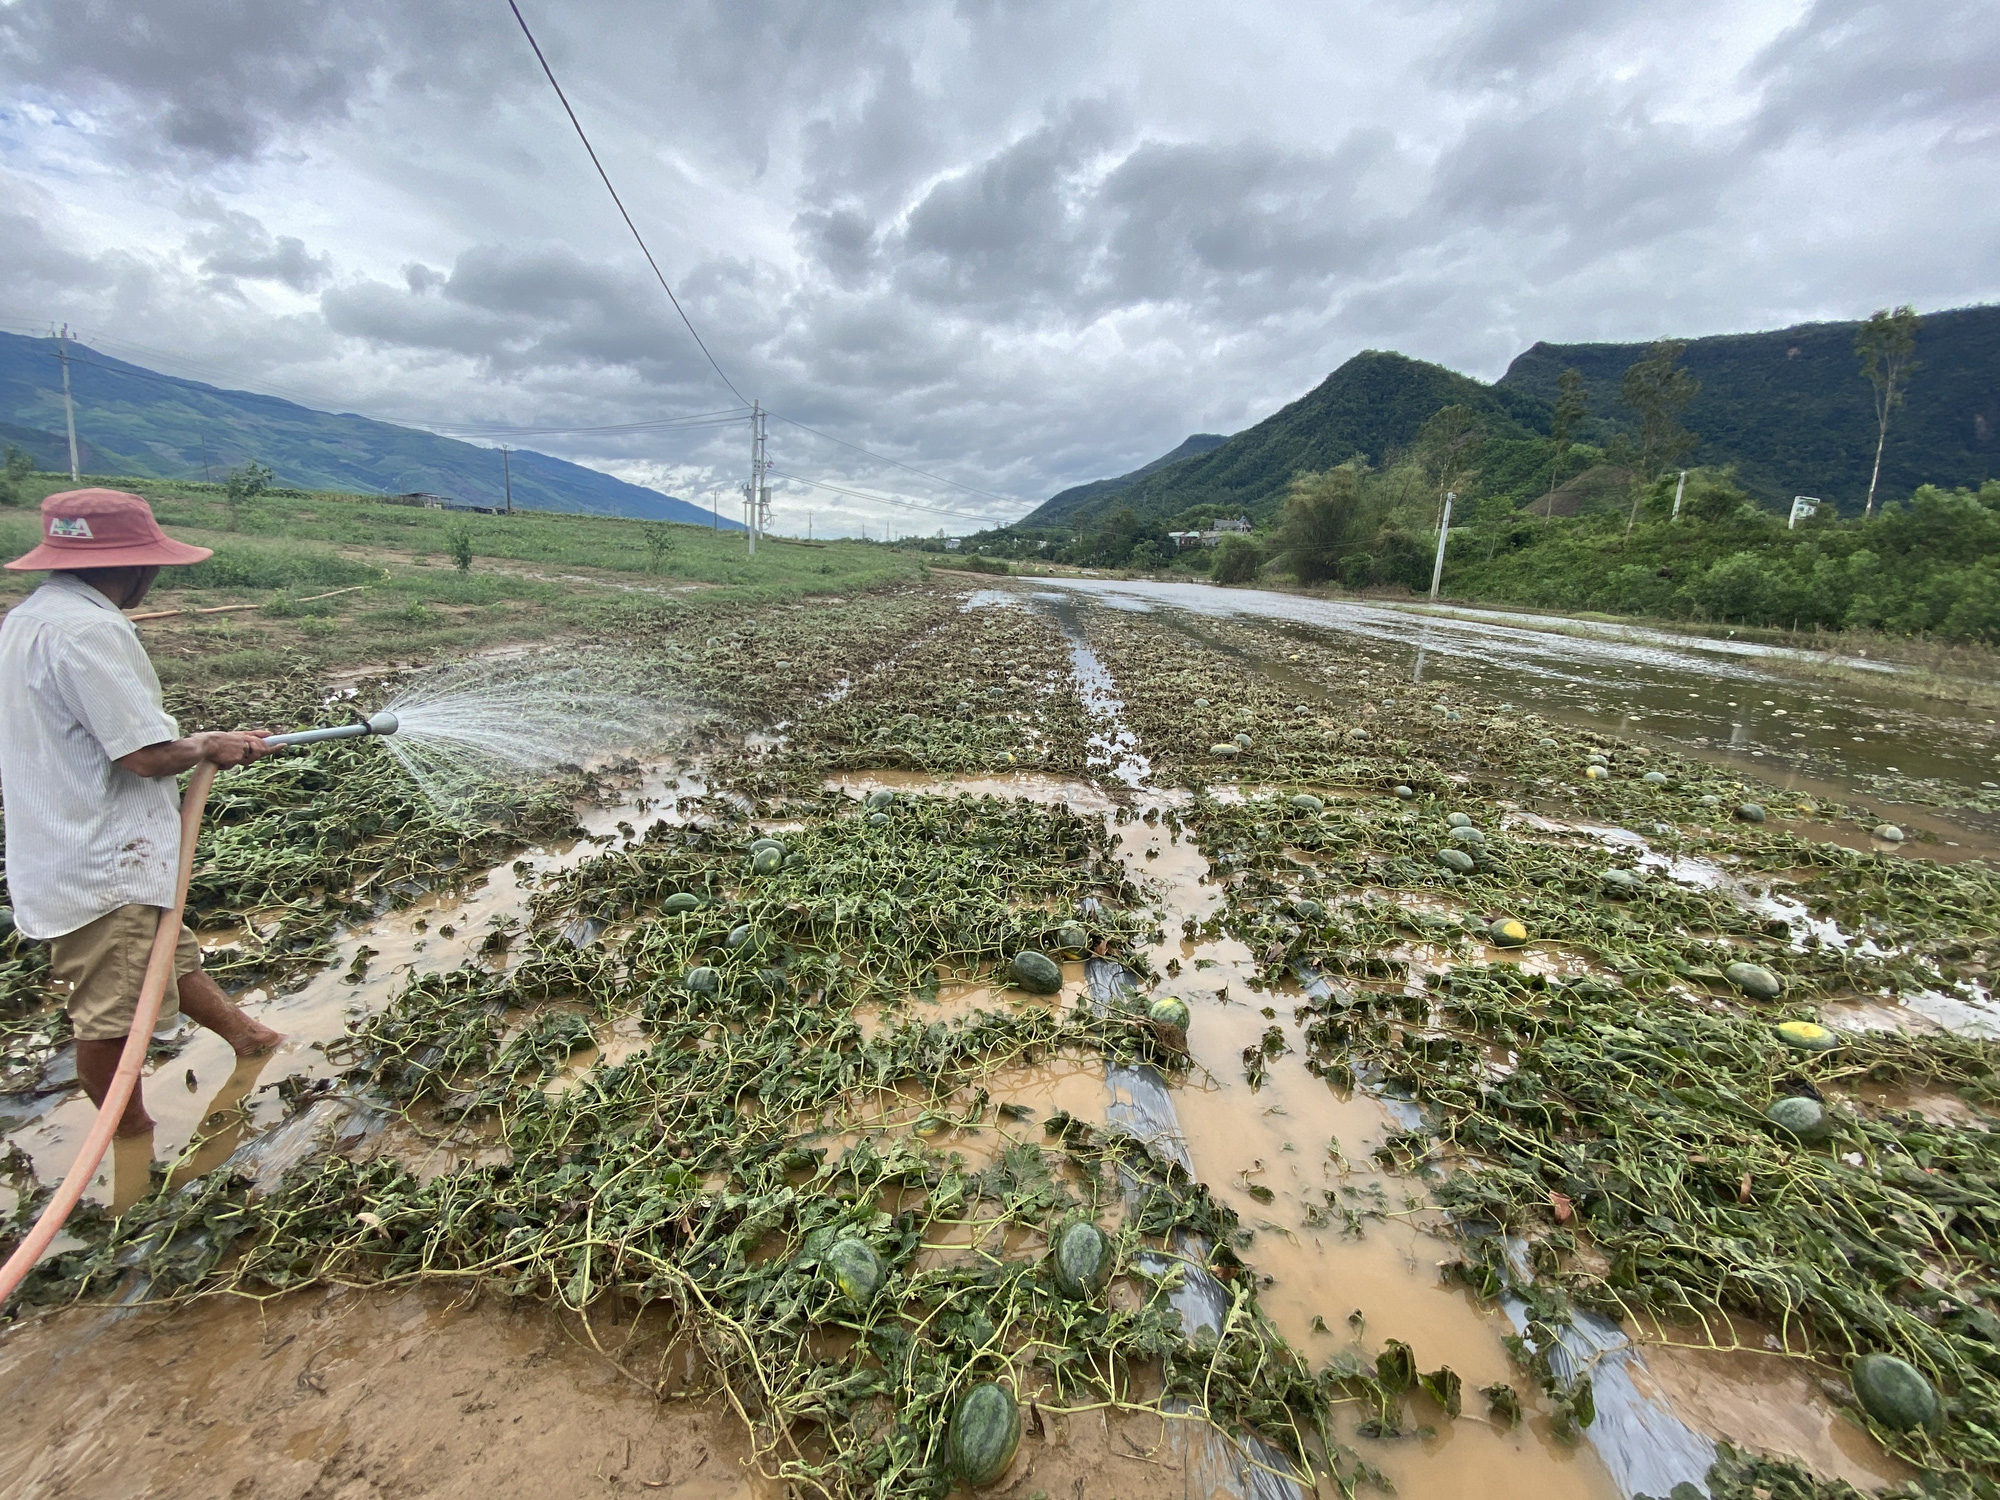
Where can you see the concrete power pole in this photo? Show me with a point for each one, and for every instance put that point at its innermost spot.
(757, 494)
(507, 478)
(69, 406)
(1680, 490)
(1444, 530)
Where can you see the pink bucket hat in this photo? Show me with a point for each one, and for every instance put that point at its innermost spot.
(103, 529)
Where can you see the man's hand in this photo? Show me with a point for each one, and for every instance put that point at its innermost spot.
(227, 747)
(224, 747)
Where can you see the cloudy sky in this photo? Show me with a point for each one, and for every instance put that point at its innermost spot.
(1013, 244)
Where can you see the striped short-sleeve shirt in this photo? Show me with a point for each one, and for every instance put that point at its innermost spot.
(84, 835)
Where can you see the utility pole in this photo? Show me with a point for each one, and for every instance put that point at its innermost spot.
(507, 478)
(207, 474)
(1444, 530)
(809, 525)
(714, 511)
(1680, 490)
(757, 494)
(69, 406)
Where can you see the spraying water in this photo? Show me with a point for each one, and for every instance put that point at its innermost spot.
(468, 733)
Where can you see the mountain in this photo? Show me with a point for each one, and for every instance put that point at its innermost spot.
(1792, 412)
(1373, 404)
(138, 422)
(1083, 497)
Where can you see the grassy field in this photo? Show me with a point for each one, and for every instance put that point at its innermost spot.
(534, 576)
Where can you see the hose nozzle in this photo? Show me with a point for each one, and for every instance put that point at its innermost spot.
(381, 723)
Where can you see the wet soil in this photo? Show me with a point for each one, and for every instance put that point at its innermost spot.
(360, 1394)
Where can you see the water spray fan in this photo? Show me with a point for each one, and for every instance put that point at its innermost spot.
(382, 723)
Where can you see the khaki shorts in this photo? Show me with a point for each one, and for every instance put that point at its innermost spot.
(104, 963)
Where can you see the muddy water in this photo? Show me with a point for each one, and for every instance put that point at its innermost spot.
(1346, 1255)
(205, 1101)
(1759, 707)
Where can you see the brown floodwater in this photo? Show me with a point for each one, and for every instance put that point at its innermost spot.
(205, 1101)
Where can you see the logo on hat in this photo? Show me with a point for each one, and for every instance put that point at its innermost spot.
(74, 528)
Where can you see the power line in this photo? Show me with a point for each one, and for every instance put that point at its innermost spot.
(695, 419)
(606, 177)
(912, 468)
(837, 489)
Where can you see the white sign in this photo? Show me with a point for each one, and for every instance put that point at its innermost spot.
(1802, 507)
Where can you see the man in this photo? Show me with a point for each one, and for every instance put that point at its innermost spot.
(88, 757)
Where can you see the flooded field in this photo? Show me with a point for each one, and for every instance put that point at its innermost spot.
(1455, 1178)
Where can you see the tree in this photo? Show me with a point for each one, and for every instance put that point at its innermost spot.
(1659, 390)
(1317, 522)
(1572, 406)
(18, 467)
(461, 548)
(1236, 560)
(242, 484)
(1884, 346)
(659, 545)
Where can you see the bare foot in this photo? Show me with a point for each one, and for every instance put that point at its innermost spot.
(136, 1122)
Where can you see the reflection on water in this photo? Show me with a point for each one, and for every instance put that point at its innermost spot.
(1758, 706)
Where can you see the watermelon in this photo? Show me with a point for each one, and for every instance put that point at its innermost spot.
(1305, 802)
(766, 843)
(1458, 820)
(1226, 751)
(767, 861)
(1804, 1118)
(1071, 938)
(1466, 834)
(1597, 773)
(1405, 793)
(1756, 981)
(1807, 1036)
(1888, 833)
(1620, 883)
(1242, 741)
(1201, 703)
(6, 921)
(878, 799)
(1895, 1393)
(878, 820)
(854, 1267)
(985, 1432)
(1457, 860)
(1169, 1010)
(746, 941)
(681, 901)
(1035, 972)
(1308, 910)
(1507, 932)
(1082, 1260)
(701, 981)
(1750, 812)
(1655, 778)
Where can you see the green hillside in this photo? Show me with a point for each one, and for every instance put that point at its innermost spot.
(1085, 499)
(1790, 410)
(135, 421)
(1374, 405)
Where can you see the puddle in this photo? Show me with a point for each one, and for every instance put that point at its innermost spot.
(1769, 1402)
(206, 1102)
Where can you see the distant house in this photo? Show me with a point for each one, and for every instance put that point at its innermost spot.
(1183, 539)
(951, 544)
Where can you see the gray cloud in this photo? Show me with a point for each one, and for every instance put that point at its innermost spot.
(1017, 242)
(1851, 66)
